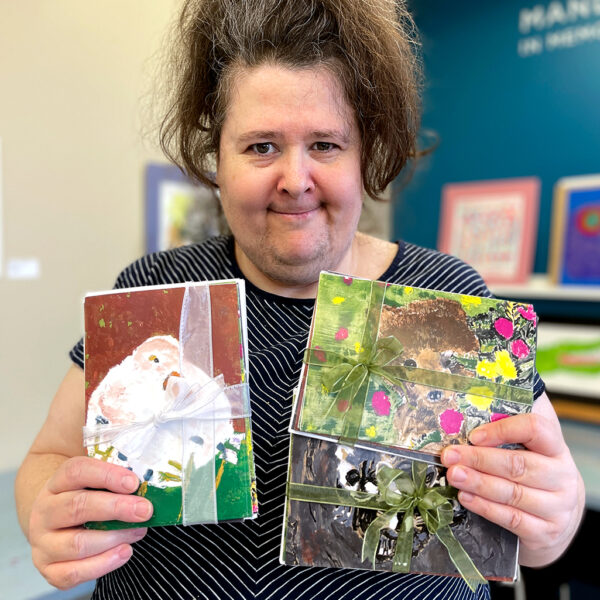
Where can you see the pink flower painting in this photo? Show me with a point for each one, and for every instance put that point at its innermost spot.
(343, 405)
(528, 314)
(381, 404)
(519, 349)
(320, 354)
(341, 334)
(504, 327)
(451, 421)
(498, 416)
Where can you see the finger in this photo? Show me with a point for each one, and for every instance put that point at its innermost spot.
(522, 466)
(539, 503)
(535, 432)
(77, 542)
(71, 509)
(521, 523)
(68, 574)
(86, 472)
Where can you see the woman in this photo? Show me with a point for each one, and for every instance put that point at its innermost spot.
(305, 104)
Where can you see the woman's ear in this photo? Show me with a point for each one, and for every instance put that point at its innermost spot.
(215, 173)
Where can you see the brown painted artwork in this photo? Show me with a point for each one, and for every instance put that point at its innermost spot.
(429, 331)
(325, 535)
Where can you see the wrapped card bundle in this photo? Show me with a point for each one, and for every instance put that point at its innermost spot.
(411, 370)
(393, 374)
(167, 397)
(356, 508)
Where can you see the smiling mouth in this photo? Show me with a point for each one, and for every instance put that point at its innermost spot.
(295, 213)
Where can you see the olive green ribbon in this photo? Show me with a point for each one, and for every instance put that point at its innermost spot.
(348, 377)
(398, 492)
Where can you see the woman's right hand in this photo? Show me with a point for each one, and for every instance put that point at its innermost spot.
(65, 552)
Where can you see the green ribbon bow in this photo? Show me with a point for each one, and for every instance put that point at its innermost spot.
(347, 377)
(398, 492)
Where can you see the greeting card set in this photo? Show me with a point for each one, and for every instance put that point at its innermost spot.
(392, 374)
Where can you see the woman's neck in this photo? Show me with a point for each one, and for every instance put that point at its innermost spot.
(367, 257)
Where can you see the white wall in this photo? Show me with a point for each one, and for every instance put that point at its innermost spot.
(75, 83)
(74, 78)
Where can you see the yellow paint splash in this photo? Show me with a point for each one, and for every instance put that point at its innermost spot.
(470, 300)
(479, 402)
(505, 365)
(219, 474)
(371, 431)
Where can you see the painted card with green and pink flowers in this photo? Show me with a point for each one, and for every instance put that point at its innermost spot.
(409, 369)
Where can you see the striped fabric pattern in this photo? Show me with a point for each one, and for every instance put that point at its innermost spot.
(241, 560)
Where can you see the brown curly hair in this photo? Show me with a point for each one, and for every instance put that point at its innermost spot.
(370, 45)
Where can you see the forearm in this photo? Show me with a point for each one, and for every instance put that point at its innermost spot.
(59, 439)
(31, 477)
(542, 556)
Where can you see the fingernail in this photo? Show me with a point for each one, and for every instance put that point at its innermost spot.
(129, 482)
(465, 497)
(143, 510)
(125, 552)
(459, 475)
(140, 533)
(450, 457)
(477, 436)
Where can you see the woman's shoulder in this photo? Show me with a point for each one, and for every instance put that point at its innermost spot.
(205, 261)
(419, 266)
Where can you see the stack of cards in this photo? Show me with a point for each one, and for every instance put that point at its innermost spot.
(392, 375)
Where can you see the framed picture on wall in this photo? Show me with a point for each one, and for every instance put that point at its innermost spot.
(178, 211)
(492, 225)
(575, 238)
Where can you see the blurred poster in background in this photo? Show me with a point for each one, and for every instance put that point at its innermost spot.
(568, 360)
(179, 211)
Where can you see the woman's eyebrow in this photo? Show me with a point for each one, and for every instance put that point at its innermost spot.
(338, 134)
(249, 136)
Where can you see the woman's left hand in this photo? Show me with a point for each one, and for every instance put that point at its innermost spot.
(537, 493)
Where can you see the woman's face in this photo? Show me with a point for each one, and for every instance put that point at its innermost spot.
(289, 174)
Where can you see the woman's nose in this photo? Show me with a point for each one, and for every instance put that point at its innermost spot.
(296, 177)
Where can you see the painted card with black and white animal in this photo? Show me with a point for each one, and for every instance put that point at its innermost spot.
(337, 494)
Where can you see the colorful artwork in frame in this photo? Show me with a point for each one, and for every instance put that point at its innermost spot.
(411, 370)
(328, 516)
(575, 238)
(492, 225)
(167, 397)
(178, 211)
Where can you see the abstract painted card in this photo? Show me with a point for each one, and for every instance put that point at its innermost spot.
(357, 508)
(166, 373)
(409, 369)
(575, 239)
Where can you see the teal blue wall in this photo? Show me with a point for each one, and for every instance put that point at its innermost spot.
(499, 113)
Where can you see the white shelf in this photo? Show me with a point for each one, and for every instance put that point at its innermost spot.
(540, 287)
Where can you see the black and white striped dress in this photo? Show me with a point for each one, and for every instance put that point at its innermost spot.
(241, 560)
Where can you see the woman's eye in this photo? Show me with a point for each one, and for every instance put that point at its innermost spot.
(262, 148)
(323, 146)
